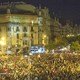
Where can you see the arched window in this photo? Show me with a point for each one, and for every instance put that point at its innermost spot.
(24, 35)
(24, 29)
(25, 42)
(17, 29)
(17, 36)
(32, 29)
(9, 28)
(32, 36)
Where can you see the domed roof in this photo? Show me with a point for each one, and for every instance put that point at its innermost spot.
(18, 8)
(25, 7)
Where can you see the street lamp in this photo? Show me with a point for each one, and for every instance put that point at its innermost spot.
(44, 38)
(32, 22)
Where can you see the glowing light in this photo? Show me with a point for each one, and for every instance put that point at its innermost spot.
(44, 36)
(70, 35)
(3, 38)
(2, 41)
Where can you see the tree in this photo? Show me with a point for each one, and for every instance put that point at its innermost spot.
(75, 46)
(60, 41)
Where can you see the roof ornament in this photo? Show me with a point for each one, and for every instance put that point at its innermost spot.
(39, 6)
(39, 9)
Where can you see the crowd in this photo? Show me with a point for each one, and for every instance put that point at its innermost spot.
(17, 50)
(40, 67)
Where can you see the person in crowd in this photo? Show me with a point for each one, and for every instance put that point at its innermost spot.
(52, 51)
(47, 51)
(25, 50)
(16, 50)
(9, 51)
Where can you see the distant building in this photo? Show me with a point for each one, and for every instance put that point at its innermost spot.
(23, 24)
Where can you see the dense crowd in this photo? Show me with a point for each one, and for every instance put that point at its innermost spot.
(40, 67)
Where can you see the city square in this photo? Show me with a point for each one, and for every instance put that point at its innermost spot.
(38, 44)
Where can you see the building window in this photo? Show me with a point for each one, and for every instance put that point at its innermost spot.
(24, 29)
(24, 35)
(32, 36)
(9, 28)
(32, 29)
(31, 39)
(17, 29)
(25, 42)
(17, 36)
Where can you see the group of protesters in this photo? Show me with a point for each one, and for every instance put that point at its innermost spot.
(18, 50)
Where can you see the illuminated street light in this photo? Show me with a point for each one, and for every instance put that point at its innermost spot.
(44, 38)
(32, 22)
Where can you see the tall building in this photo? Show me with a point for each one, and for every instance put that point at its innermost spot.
(23, 24)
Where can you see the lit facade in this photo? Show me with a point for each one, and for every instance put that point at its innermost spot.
(23, 24)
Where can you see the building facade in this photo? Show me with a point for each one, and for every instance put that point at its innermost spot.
(23, 24)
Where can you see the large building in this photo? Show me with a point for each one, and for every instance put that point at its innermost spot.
(23, 24)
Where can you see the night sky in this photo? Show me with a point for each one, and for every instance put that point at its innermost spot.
(63, 9)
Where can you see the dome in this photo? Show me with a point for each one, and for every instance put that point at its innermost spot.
(18, 8)
(26, 7)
